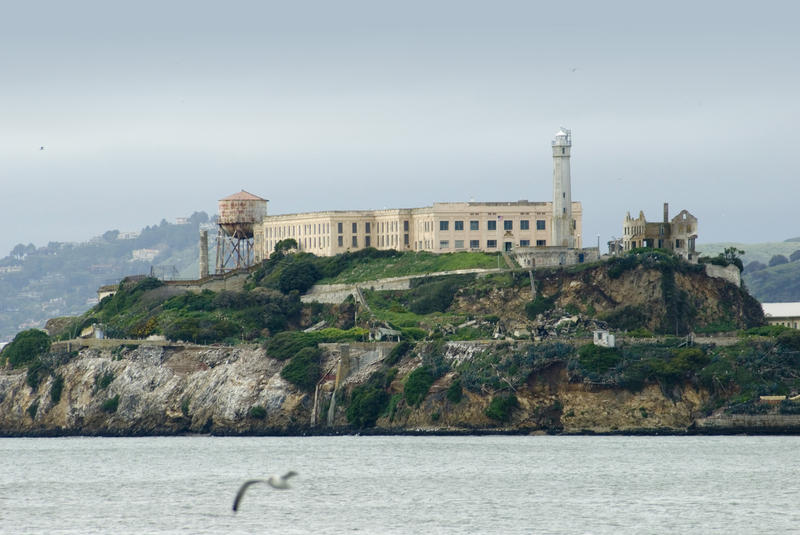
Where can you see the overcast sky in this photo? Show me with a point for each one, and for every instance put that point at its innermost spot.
(151, 110)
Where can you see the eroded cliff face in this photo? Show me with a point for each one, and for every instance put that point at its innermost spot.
(695, 298)
(212, 390)
(160, 391)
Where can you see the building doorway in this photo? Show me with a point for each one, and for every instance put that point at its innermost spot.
(507, 246)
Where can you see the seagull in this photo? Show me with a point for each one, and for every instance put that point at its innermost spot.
(276, 482)
(41, 148)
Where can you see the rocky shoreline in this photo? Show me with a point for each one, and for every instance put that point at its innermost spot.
(173, 391)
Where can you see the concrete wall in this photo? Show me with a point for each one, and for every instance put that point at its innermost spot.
(730, 273)
(337, 293)
(534, 257)
(233, 280)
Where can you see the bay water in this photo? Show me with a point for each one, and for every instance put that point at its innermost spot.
(412, 484)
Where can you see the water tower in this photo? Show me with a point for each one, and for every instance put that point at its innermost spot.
(238, 215)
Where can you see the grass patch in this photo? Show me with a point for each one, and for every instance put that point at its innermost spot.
(417, 385)
(257, 412)
(501, 407)
(304, 369)
(110, 405)
(412, 263)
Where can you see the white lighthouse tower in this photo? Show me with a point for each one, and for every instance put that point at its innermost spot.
(562, 231)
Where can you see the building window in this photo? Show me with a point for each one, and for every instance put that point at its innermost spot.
(444, 244)
(541, 243)
(405, 226)
(491, 225)
(444, 225)
(491, 244)
(341, 241)
(474, 244)
(459, 225)
(474, 225)
(459, 244)
(524, 243)
(367, 228)
(355, 240)
(355, 228)
(540, 224)
(524, 224)
(405, 240)
(508, 224)
(367, 241)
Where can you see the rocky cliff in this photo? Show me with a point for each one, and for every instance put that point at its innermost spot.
(155, 390)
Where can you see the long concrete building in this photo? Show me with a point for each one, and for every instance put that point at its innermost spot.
(443, 227)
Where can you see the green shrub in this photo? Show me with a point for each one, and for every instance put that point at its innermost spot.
(36, 373)
(110, 405)
(789, 339)
(26, 347)
(766, 330)
(299, 275)
(32, 409)
(257, 412)
(398, 352)
(501, 407)
(304, 368)
(102, 381)
(417, 385)
(455, 392)
(413, 333)
(598, 359)
(640, 332)
(286, 344)
(56, 388)
(367, 403)
(185, 406)
(540, 305)
(626, 318)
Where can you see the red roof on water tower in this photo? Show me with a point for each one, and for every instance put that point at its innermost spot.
(243, 196)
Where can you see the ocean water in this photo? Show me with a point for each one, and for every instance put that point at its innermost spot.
(354, 484)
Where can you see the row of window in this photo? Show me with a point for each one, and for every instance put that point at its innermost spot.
(382, 241)
(381, 226)
(508, 224)
(490, 244)
(309, 229)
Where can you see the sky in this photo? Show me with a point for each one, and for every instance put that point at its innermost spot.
(149, 110)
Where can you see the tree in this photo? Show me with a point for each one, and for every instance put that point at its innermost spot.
(777, 260)
(299, 275)
(18, 251)
(732, 256)
(285, 245)
(26, 347)
(110, 235)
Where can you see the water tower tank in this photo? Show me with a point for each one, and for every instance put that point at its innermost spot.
(239, 213)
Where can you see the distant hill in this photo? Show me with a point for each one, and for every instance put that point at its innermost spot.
(61, 279)
(761, 252)
(776, 284)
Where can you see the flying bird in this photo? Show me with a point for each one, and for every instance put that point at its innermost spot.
(276, 482)
(41, 148)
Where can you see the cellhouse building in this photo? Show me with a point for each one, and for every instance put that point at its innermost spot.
(537, 233)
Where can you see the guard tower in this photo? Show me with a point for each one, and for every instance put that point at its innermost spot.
(238, 214)
(562, 231)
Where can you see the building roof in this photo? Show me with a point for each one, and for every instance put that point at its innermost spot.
(781, 310)
(243, 196)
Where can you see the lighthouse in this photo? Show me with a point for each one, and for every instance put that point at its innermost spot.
(563, 227)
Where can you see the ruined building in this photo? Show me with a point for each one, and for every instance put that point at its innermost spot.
(677, 235)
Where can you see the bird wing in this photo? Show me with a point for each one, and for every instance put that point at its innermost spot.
(242, 490)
